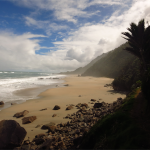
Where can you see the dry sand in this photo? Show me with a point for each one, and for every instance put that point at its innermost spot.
(88, 87)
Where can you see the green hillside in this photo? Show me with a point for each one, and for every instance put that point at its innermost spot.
(112, 64)
(83, 69)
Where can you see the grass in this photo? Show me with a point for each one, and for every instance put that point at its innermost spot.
(118, 131)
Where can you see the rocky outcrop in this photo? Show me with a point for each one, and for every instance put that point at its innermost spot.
(11, 134)
(69, 135)
(30, 119)
(56, 107)
(21, 114)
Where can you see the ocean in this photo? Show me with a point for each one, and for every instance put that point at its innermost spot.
(12, 81)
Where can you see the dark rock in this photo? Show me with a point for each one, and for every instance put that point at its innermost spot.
(11, 134)
(1, 103)
(56, 107)
(25, 147)
(54, 115)
(66, 85)
(69, 108)
(93, 100)
(84, 104)
(52, 129)
(38, 141)
(79, 95)
(13, 103)
(98, 105)
(43, 109)
(30, 119)
(47, 126)
(21, 114)
(45, 145)
(40, 135)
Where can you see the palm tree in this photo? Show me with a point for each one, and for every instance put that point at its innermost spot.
(138, 38)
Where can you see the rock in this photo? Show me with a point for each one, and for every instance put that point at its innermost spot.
(97, 105)
(38, 126)
(52, 129)
(38, 141)
(43, 109)
(45, 145)
(40, 135)
(13, 103)
(79, 95)
(25, 147)
(93, 100)
(69, 108)
(1, 103)
(21, 114)
(66, 85)
(17, 148)
(54, 115)
(56, 107)
(30, 119)
(11, 134)
(84, 104)
(46, 126)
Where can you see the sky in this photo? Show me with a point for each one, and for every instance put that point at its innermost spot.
(62, 35)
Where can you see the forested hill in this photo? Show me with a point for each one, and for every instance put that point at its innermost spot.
(112, 64)
(83, 69)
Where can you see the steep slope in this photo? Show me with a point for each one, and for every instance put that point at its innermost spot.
(83, 69)
(110, 65)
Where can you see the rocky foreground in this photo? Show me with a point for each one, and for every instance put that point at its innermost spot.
(61, 136)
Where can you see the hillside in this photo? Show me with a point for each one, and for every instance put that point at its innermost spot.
(110, 65)
(81, 70)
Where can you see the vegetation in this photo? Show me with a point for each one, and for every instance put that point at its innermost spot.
(128, 76)
(83, 69)
(112, 64)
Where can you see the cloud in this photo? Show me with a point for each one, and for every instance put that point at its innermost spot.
(45, 25)
(82, 44)
(68, 10)
(20, 54)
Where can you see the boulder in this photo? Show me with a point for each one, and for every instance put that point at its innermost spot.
(1, 103)
(93, 100)
(30, 119)
(98, 105)
(11, 134)
(47, 126)
(54, 115)
(56, 107)
(69, 108)
(21, 114)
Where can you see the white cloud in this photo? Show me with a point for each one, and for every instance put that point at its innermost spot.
(46, 25)
(20, 54)
(68, 9)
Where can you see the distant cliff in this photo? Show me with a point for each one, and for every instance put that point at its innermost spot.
(110, 65)
(81, 70)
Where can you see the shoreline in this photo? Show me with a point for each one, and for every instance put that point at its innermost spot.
(30, 93)
(80, 90)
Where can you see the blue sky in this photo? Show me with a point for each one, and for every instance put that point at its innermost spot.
(62, 35)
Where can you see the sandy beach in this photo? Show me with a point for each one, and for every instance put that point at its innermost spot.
(88, 87)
